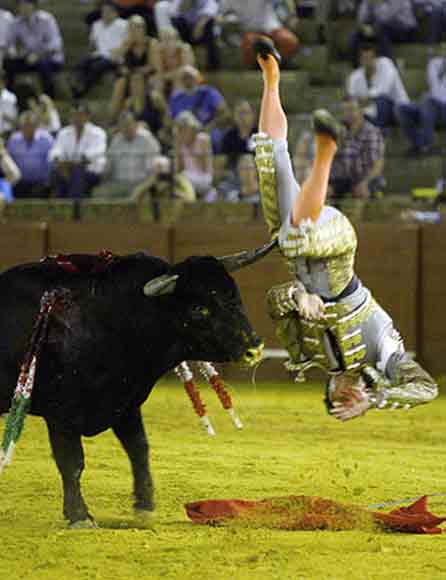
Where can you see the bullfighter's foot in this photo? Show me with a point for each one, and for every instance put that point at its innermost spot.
(263, 47)
(88, 524)
(269, 65)
(324, 123)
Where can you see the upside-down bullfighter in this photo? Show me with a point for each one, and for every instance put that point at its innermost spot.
(124, 323)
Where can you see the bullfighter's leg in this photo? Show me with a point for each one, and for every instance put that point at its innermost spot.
(309, 201)
(69, 456)
(132, 435)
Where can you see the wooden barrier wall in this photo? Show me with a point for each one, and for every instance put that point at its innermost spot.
(432, 314)
(405, 266)
(118, 238)
(22, 243)
(388, 263)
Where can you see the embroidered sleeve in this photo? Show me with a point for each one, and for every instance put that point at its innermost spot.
(267, 182)
(407, 385)
(332, 235)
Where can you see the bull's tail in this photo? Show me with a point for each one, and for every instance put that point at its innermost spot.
(21, 400)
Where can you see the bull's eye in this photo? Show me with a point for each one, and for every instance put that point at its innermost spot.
(199, 312)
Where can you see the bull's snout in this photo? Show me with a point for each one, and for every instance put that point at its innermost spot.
(253, 355)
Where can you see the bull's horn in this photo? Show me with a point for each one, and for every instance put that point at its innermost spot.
(164, 284)
(234, 262)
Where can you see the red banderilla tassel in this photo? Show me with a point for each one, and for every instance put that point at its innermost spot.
(187, 378)
(211, 375)
(195, 397)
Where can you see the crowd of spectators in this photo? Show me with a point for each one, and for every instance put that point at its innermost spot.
(165, 130)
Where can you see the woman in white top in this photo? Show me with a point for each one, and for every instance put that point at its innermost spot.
(193, 155)
(168, 55)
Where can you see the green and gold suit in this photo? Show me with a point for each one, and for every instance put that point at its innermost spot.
(356, 335)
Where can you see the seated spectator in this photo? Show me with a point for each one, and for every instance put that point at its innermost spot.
(106, 36)
(419, 120)
(30, 147)
(378, 86)
(8, 108)
(143, 8)
(126, 9)
(135, 69)
(193, 155)
(195, 21)
(248, 184)
(163, 183)
(9, 175)
(204, 101)
(359, 162)
(6, 23)
(38, 44)
(259, 16)
(388, 20)
(169, 55)
(238, 139)
(130, 159)
(78, 155)
(30, 98)
(47, 113)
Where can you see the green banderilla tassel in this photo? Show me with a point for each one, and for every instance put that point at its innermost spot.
(17, 413)
(14, 427)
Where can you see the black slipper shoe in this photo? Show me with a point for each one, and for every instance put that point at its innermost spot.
(324, 123)
(263, 46)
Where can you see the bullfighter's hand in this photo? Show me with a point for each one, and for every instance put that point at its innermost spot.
(310, 306)
(353, 406)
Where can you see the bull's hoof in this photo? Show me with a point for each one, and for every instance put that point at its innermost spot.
(87, 524)
(145, 519)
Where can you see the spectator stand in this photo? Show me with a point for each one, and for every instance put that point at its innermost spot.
(314, 77)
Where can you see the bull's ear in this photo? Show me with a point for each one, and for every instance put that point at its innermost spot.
(164, 284)
(234, 262)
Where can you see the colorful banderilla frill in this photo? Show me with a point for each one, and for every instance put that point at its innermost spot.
(301, 512)
(21, 400)
(210, 374)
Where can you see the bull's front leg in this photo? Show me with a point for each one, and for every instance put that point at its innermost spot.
(132, 435)
(69, 456)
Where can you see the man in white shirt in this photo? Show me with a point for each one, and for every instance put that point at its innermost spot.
(378, 87)
(260, 17)
(419, 120)
(6, 22)
(106, 36)
(78, 155)
(38, 45)
(8, 108)
(130, 159)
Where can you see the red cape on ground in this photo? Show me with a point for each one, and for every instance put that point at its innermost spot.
(301, 512)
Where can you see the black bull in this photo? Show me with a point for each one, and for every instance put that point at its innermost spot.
(124, 326)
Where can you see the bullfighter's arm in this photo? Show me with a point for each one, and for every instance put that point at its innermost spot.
(284, 299)
(404, 385)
